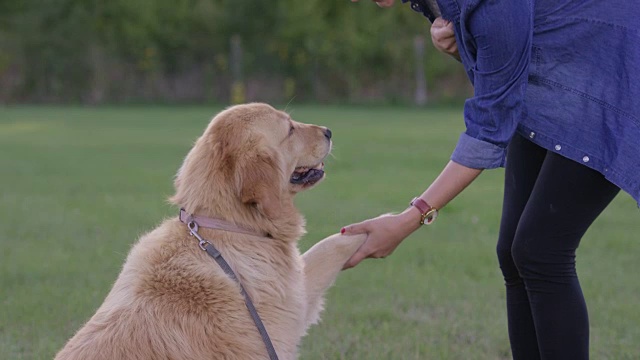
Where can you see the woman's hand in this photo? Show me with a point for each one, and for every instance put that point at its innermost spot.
(384, 234)
(381, 3)
(443, 37)
(387, 231)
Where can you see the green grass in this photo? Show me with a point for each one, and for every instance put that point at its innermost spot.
(79, 185)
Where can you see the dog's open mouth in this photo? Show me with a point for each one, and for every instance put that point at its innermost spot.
(304, 175)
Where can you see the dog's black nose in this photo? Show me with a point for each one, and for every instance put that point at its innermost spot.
(327, 133)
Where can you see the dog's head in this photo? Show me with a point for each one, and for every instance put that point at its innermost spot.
(252, 157)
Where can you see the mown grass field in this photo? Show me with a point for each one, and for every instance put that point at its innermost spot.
(79, 185)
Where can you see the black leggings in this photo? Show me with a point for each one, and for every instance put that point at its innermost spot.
(549, 203)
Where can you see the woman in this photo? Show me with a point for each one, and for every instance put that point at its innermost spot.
(556, 89)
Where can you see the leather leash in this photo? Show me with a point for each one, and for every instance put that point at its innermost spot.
(193, 223)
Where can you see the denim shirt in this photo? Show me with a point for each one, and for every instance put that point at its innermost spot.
(563, 73)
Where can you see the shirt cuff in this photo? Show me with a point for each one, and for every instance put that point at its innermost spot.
(478, 154)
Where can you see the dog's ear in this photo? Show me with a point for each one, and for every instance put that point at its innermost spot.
(260, 181)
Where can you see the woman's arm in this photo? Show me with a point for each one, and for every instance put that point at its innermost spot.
(501, 55)
(387, 231)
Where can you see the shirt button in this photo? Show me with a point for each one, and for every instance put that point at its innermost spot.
(532, 135)
(558, 147)
(585, 159)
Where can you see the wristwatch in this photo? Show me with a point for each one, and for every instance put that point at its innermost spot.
(428, 213)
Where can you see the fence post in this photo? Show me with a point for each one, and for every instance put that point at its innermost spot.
(420, 96)
(237, 85)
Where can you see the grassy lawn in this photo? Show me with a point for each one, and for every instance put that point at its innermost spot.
(79, 185)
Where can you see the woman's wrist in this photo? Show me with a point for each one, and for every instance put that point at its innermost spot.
(410, 219)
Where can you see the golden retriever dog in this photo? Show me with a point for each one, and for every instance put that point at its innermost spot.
(173, 301)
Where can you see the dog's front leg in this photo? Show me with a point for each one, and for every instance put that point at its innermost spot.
(322, 263)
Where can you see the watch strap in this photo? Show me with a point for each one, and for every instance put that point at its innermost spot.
(427, 212)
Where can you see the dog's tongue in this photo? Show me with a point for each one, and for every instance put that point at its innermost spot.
(309, 176)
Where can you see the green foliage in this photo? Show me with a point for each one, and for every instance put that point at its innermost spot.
(59, 47)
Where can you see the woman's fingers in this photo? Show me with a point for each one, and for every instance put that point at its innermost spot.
(381, 3)
(443, 37)
(357, 257)
(384, 3)
(358, 228)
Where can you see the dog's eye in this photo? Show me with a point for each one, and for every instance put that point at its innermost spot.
(290, 130)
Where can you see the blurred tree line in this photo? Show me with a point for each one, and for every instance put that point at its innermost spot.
(109, 51)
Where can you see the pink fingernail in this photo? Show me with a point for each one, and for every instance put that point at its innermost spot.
(342, 230)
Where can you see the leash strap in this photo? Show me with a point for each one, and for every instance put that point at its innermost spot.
(192, 224)
(215, 254)
(422, 7)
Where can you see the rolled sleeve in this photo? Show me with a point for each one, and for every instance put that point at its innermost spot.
(498, 56)
(478, 154)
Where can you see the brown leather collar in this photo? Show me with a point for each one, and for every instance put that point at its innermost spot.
(201, 221)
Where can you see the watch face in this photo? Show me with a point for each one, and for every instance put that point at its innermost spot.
(430, 216)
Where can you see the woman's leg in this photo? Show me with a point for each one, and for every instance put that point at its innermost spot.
(566, 198)
(524, 160)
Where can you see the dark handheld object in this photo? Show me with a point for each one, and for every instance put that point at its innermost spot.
(423, 7)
